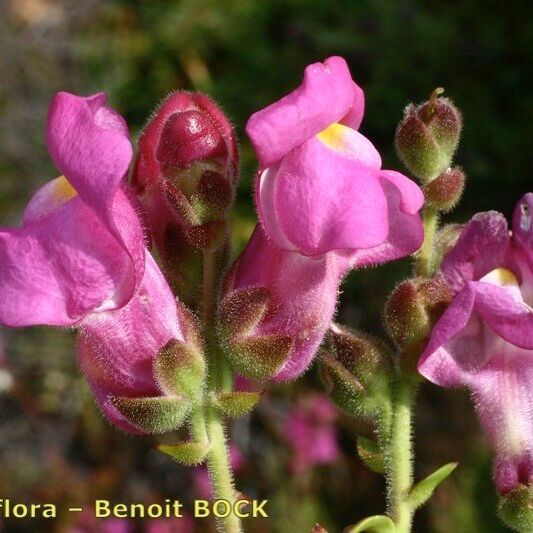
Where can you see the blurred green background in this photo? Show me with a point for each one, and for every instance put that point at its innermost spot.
(246, 54)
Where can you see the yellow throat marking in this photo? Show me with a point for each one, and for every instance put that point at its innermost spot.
(334, 136)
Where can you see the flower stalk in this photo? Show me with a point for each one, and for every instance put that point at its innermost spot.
(212, 423)
(399, 464)
(424, 264)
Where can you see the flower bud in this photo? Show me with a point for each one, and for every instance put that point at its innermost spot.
(359, 353)
(411, 311)
(445, 191)
(427, 137)
(355, 370)
(188, 157)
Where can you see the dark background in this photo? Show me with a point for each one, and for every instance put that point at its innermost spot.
(54, 446)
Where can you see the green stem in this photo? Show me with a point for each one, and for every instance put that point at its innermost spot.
(209, 422)
(424, 263)
(218, 463)
(400, 456)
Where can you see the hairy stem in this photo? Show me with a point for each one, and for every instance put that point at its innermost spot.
(424, 261)
(219, 379)
(400, 456)
(220, 473)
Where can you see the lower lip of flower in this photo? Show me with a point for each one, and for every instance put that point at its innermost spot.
(502, 277)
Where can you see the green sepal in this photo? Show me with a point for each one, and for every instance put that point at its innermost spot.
(158, 414)
(241, 311)
(186, 453)
(516, 509)
(423, 490)
(373, 524)
(370, 454)
(236, 404)
(259, 357)
(180, 369)
(213, 196)
(342, 386)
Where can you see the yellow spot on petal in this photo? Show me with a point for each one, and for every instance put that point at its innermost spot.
(63, 190)
(335, 136)
(501, 277)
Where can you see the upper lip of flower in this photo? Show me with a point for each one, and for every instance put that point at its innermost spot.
(327, 95)
(85, 220)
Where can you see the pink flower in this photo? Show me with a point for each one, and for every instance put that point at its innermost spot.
(325, 207)
(484, 340)
(298, 297)
(320, 186)
(79, 257)
(310, 430)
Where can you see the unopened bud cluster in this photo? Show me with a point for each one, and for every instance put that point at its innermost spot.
(426, 140)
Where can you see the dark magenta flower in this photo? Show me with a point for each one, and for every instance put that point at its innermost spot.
(186, 171)
(484, 340)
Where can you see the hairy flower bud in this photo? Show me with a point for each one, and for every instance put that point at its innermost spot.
(188, 159)
(410, 313)
(355, 370)
(359, 352)
(445, 191)
(427, 136)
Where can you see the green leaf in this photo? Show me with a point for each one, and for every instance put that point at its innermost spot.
(235, 404)
(423, 490)
(186, 453)
(373, 524)
(370, 454)
(158, 414)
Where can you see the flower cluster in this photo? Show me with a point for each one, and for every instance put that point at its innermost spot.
(131, 265)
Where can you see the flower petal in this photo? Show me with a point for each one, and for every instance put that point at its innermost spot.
(302, 292)
(318, 200)
(481, 247)
(89, 143)
(511, 319)
(60, 266)
(117, 349)
(438, 363)
(327, 95)
(406, 232)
